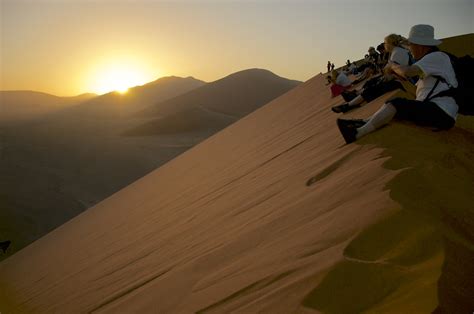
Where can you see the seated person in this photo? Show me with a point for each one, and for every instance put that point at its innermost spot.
(350, 69)
(384, 56)
(340, 82)
(428, 109)
(387, 83)
(368, 73)
(373, 55)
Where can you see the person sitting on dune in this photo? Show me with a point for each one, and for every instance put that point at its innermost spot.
(369, 72)
(384, 84)
(384, 56)
(340, 82)
(373, 55)
(436, 75)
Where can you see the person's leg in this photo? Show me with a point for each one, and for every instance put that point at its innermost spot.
(377, 120)
(359, 99)
(352, 130)
(423, 113)
(374, 91)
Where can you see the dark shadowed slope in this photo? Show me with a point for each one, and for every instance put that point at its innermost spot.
(237, 94)
(189, 120)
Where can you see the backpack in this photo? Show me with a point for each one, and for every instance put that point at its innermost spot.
(411, 59)
(464, 93)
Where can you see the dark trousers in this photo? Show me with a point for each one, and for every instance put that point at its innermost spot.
(376, 89)
(422, 113)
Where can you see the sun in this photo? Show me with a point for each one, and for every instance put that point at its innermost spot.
(118, 77)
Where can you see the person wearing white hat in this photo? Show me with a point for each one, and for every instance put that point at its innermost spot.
(436, 75)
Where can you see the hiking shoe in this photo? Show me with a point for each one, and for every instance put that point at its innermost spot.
(352, 123)
(348, 132)
(349, 95)
(344, 108)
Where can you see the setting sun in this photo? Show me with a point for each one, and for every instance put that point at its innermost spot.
(119, 76)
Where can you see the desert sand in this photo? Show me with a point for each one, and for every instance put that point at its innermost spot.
(61, 163)
(273, 214)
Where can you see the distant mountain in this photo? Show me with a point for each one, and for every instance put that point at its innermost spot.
(21, 105)
(71, 159)
(113, 104)
(231, 97)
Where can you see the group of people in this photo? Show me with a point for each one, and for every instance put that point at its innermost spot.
(372, 65)
(382, 84)
(432, 72)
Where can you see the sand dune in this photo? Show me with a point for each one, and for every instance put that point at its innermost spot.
(271, 214)
(215, 105)
(26, 105)
(237, 94)
(115, 105)
(197, 119)
(55, 167)
(459, 45)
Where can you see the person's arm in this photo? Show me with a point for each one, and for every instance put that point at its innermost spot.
(405, 71)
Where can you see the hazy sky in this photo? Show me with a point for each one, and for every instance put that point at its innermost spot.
(68, 47)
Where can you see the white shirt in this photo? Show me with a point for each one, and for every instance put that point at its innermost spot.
(343, 80)
(399, 56)
(437, 64)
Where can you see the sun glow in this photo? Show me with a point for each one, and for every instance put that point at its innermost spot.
(119, 76)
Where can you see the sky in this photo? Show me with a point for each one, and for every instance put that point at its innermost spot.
(69, 47)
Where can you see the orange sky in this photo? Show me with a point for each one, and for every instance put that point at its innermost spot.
(71, 47)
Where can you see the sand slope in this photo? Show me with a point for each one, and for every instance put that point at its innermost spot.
(58, 165)
(271, 214)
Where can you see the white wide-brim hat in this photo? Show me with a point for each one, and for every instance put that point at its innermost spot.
(423, 35)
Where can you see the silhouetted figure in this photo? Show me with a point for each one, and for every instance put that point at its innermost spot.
(329, 66)
(4, 245)
(332, 67)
